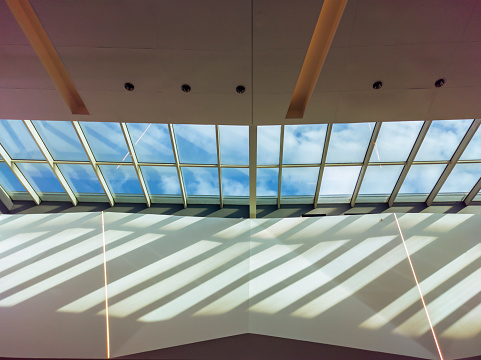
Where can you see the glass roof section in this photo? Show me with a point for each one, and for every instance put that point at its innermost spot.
(180, 163)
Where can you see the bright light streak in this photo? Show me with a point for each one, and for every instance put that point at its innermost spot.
(467, 326)
(317, 227)
(181, 223)
(362, 224)
(448, 222)
(419, 288)
(302, 287)
(140, 137)
(19, 239)
(175, 282)
(105, 286)
(278, 228)
(362, 278)
(217, 283)
(409, 298)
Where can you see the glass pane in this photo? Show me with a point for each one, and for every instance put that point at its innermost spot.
(161, 180)
(303, 144)
(61, 140)
(18, 142)
(235, 182)
(121, 179)
(268, 145)
(41, 177)
(300, 181)
(473, 150)
(234, 145)
(196, 144)
(339, 180)
(201, 181)
(349, 142)
(151, 142)
(462, 178)
(82, 178)
(442, 139)
(421, 179)
(380, 179)
(395, 141)
(267, 182)
(107, 141)
(8, 180)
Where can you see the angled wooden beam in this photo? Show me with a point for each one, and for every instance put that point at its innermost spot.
(321, 41)
(454, 159)
(472, 194)
(133, 155)
(5, 199)
(43, 148)
(93, 162)
(281, 155)
(219, 169)
(177, 165)
(323, 164)
(252, 171)
(409, 162)
(16, 171)
(38, 38)
(367, 157)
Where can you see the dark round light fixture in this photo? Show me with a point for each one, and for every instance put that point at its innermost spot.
(129, 86)
(377, 85)
(240, 89)
(185, 88)
(439, 83)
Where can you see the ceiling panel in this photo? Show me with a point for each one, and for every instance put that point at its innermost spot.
(464, 70)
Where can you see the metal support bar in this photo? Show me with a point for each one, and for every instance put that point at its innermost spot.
(177, 165)
(56, 170)
(133, 155)
(252, 171)
(219, 171)
(472, 194)
(409, 162)
(367, 157)
(5, 199)
(93, 162)
(457, 154)
(281, 154)
(323, 164)
(16, 171)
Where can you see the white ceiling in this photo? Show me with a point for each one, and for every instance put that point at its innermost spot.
(159, 45)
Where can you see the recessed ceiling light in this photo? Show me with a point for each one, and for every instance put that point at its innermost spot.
(377, 85)
(240, 89)
(129, 87)
(439, 83)
(185, 88)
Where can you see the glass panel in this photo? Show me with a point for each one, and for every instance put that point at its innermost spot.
(303, 144)
(339, 180)
(462, 178)
(107, 141)
(196, 144)
(235, 182)
(473, 150)
(442, 139)
(395, 141)
(349, 142)
(201, 181)
(82, 178)
(421, 179)
(299, 181)
(161, 180)
(267, 182)
(41, 177)
(8, 180)
(234, 145)
(268, 145)
(121, 179)
(61, 140)
(151, 142)
(380, 179)
(18, 142)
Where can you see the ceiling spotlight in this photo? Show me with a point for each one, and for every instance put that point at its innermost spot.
(377, 85)
(129, 87)
(185, 88)
(240, 89)
(439, 83)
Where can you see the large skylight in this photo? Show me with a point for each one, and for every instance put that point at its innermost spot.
(192, 164)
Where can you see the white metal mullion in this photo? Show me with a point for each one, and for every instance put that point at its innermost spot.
(474, 191)
(177, 165)
(16, 171)
(5, 198)
(281, 154)
(93, 162)
(219, 170)
(409, 162)
(367, 157)
(454, 159)
(56, 170)
(253, 171)
(133, 155)
(323, 164)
